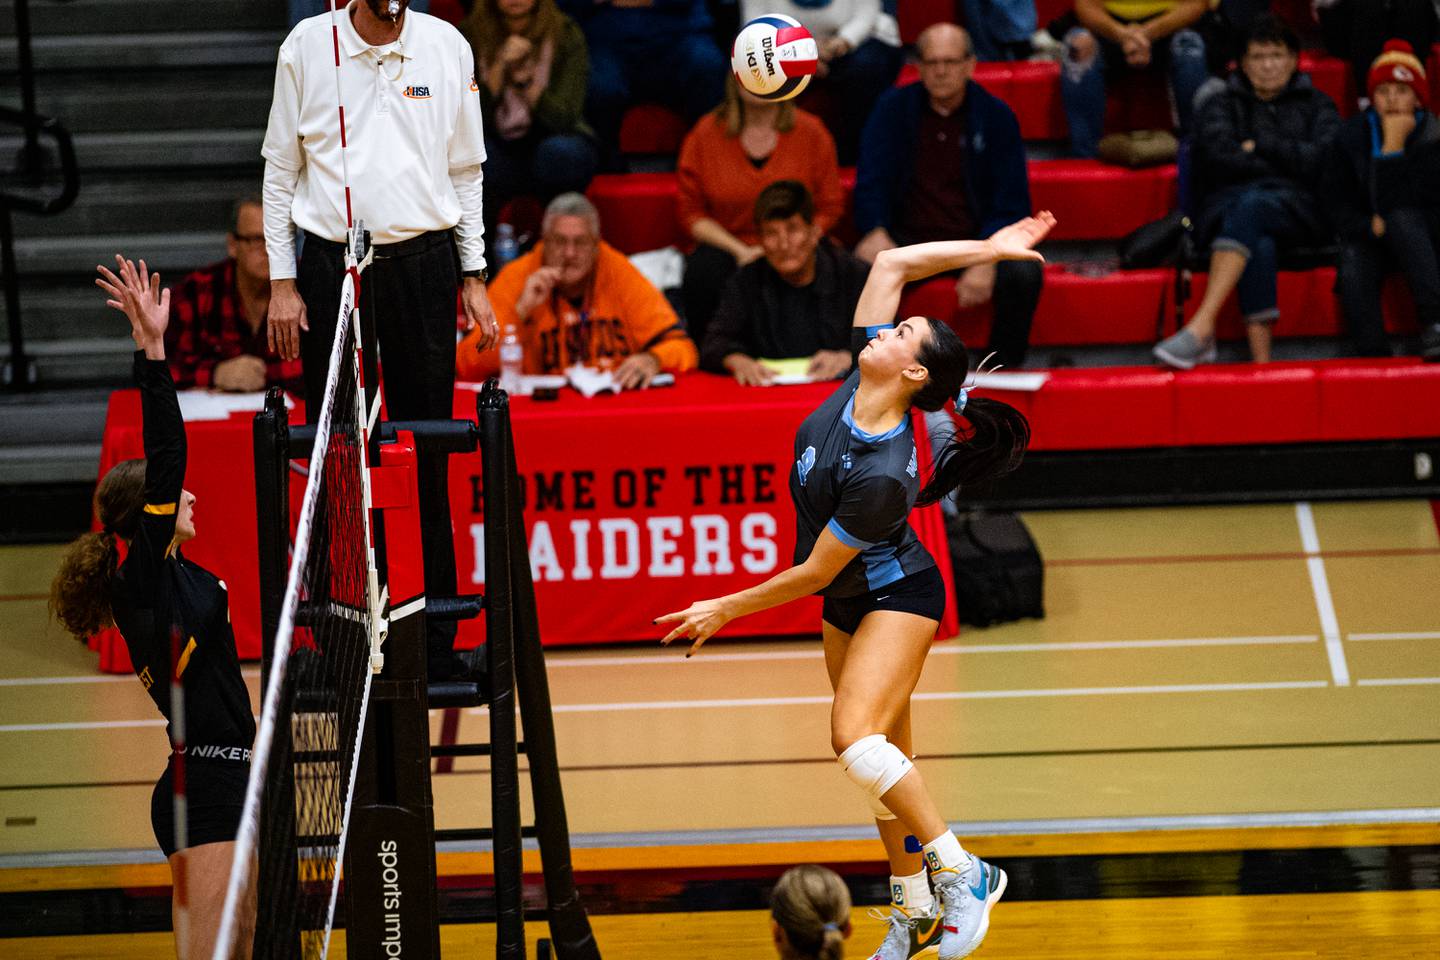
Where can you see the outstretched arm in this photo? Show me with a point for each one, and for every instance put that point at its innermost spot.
(701, 619)
(895, 268)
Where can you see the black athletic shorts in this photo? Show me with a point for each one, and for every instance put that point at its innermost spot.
(214, 799)
(922, 592)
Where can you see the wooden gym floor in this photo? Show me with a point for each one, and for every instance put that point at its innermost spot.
(1176, 758)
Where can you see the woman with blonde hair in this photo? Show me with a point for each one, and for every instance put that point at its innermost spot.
(740, 148)
(531, 65)
(810, 914)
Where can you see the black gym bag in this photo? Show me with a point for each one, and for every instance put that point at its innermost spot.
(999, 575)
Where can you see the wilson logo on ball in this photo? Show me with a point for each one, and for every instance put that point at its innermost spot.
(774, 57)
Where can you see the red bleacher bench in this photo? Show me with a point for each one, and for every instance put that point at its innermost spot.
(1233, 405)
(1090, 199)
(1309, 308)
(1075, 309)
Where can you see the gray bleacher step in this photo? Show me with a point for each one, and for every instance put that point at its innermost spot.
(75, 257)
(73, 309)
(214, 150)
(174, 99)
(121, 204)
(48, 17)
(140, 51)
(88, 361)
(49, 463)
(62, 416)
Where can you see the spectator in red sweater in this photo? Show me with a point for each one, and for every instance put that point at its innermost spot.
(216, 336)
(732, 154)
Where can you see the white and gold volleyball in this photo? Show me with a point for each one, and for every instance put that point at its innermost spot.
(774, 57)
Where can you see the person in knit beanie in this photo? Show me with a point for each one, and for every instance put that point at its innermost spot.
(1357, 30)
(1384, 184)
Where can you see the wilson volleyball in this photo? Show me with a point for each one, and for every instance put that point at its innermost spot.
(774, 57)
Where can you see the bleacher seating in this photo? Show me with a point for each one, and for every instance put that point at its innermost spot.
(1092, 201)
(1296, 402)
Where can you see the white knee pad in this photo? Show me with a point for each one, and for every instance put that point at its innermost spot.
(879, 809)
(875, 764)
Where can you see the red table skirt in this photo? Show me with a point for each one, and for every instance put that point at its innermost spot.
(635, 505)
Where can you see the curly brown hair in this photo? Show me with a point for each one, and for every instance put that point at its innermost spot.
(80, 592)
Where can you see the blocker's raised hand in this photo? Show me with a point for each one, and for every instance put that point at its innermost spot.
(1017, 241)
(137, 294)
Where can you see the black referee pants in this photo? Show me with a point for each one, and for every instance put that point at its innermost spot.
(411, 300)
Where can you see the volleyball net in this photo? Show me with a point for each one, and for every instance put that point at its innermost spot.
(292, 837)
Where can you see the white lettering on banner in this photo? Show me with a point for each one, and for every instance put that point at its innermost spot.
(712, 540)
(389, 857)
(580, 536)
(757, 534)
(477, 539)
(710, 551)
(665, 560)
(543, 561)
(612, 569)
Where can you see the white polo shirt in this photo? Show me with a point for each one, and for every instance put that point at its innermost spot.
(414, 144)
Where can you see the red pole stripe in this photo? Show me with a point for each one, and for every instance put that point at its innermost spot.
(335, 35)
(349, 220)
(343, 144)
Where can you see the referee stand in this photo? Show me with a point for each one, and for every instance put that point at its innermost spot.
(390, 861)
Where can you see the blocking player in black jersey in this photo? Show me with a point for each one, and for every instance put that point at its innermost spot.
(854, 482)
(169, 611)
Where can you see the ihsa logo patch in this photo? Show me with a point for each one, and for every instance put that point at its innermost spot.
(417, 93)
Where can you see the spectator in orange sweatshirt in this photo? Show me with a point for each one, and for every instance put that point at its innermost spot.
(576, 299)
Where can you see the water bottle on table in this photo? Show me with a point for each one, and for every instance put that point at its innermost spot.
(512, 361)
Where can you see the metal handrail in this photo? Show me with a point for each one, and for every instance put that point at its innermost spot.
(18, 369)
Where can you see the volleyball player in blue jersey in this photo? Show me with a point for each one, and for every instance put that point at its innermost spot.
(854, 481)
(169, 610)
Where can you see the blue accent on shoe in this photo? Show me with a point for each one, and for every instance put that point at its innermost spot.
(979, 889)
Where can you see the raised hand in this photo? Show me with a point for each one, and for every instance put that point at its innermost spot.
(137, 293)
(1017, 241)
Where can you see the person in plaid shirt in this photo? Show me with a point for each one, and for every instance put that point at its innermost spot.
(216, 336)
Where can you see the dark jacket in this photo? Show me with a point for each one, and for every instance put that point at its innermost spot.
(561, 106)
(749, 319)
(1359, 181)
(996, 181)
(1292, 135)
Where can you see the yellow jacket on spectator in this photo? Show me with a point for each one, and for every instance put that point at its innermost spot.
(622, 313)
(1133, 11)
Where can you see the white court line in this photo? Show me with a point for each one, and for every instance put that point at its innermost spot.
(1399, 681)
(1324, 603)
(79, 725)
(939, 695)
(91, 678)
(939, 650)
(1393, 636)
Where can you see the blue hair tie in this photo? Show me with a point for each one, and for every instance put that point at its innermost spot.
(831, 926)
(963, 397)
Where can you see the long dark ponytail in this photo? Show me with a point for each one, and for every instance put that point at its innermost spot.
(991, 440)
(80, 592)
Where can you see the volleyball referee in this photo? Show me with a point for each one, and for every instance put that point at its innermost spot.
(414, 145)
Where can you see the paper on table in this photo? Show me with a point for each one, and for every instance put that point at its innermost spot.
(590, 381)
(788, 370)
(529, 383)
(1021, 382)
(196, 405)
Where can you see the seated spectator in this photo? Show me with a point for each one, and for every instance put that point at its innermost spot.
(1383, 185)
(531, 65)
(795, 301)
(859, 56)
(647, 51)
(576, 299)
(1260, 141)
(1356, 30)
(217, 336)
(1000, 29)
(942, 159)
(810, 914)
(1116, 35)
(726, 160)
